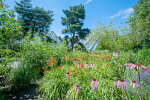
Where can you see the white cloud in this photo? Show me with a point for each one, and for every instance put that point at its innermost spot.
(124, 13)
(88, 1)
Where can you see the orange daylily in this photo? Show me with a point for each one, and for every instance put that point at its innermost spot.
(78, 58)
(73, 71)
(98, 69)
(72, 58)
(107, 57)
(107, 65)
(58, 67)
(69, 70)
(42, 67)
(82, 67)
(44, 71)
(95, 57)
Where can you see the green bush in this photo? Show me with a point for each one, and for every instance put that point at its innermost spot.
(22, 76)
(6, 52)
(34, 56)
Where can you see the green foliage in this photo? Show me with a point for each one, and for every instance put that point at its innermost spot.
(54, 84)
(80, 47)
(35, 55)
(22, 76)
(9, 31)
(139, 24)
(34, 19)
(108, 38)
(2, 96)
(74, 22)
(6, 52)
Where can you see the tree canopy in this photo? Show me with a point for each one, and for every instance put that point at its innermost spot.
(34, 19)
(73, 21)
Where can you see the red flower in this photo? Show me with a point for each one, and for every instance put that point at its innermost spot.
(44, 71)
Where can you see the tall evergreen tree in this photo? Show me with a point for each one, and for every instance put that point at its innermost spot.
(34, 19)
(74, 22)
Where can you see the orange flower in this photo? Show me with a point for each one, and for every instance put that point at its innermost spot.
(58, 67)
(73, 71)
(81, 58)
(65, 57)
(98, 69)
(107, 57)
(69, 70)
(101, 56)
(97, 62)
(82, 67)
(42, 67)
(107, 65)
(78, 58)
(72, 58)
(55, 58)
(95, 57)
(44, 71)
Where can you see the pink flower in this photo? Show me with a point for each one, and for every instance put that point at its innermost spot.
(79, 65)
(94, 84)
(92, 65)
(86, 65)
(111, 89)
(137, 66)
(67, 75)
(134, 84)
(115, 54)
(77, 88)
(115, 83)
(122, 84)
(75, 62)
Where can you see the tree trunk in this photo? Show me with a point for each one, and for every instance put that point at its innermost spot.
(73, 41)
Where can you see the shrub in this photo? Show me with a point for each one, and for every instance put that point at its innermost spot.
(22, 76)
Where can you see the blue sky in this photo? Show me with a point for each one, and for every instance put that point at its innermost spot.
(96, 10)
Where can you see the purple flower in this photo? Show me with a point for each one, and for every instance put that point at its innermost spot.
(111, 89)
(92, 65)
(115, 54)
(115, 83)
(77, 88)
(137, 66)
(79, 65)
(67, 75)
(94, 84)
(86, 65)
(134, 84)
(75, 62)
(122, 84)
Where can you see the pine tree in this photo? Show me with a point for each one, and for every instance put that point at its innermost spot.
(74, 22)
(34, 19)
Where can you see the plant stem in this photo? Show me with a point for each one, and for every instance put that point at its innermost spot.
(139, 79)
